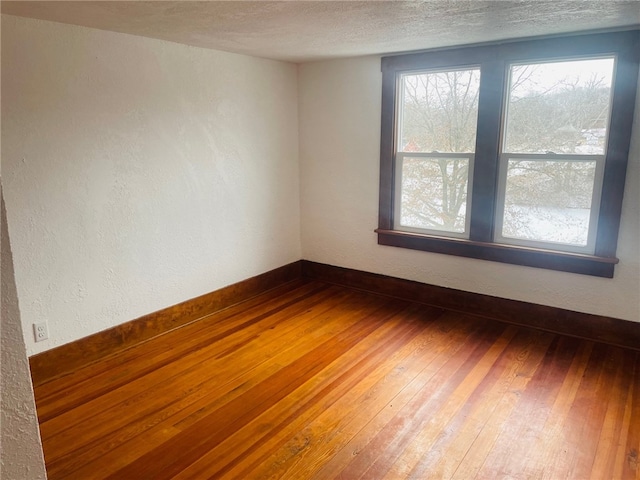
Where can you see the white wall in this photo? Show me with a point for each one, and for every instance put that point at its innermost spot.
(140, 173)
(339, 110)
(20, 447)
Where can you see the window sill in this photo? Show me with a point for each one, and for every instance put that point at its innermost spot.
(531, 257)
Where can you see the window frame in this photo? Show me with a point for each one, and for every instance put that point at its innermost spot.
(494, 60)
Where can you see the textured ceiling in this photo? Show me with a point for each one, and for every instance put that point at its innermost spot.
(301, 31)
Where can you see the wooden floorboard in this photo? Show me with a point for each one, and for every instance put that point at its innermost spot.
(317, 381)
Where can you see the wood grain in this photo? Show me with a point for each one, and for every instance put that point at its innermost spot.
(557, 320)
(313, 380)
(60, 360)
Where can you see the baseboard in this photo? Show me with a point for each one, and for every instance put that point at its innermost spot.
(65, 358)
(597, 328)
(60, 360)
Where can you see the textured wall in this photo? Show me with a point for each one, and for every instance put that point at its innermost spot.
(140, 173)
(339, 163)
(20, 447)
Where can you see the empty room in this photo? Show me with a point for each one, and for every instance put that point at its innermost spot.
(320, 239)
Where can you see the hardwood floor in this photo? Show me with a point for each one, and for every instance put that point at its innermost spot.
(314, 381)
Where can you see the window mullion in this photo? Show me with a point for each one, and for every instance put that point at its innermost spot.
(485, 175)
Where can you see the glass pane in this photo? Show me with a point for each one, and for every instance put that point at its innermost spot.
(548, 201)
(560, 107)
(434, 193)
(439, 111)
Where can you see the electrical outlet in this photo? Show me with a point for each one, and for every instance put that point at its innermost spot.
(41, 331)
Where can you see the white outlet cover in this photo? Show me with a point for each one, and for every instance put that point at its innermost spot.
(40, 331)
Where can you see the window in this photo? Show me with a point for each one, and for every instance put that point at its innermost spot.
(514, 152)
(437, 113)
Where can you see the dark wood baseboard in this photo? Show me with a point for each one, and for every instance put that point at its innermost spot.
(60, 360)
(597, 328)
(65, 358)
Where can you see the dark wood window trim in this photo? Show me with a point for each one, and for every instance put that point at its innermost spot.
(493, 60)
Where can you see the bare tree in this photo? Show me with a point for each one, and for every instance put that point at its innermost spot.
(439, 116)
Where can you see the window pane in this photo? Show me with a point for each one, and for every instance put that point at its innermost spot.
(434, 193)
(560, 107)
(549, 201)
(439, 111)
